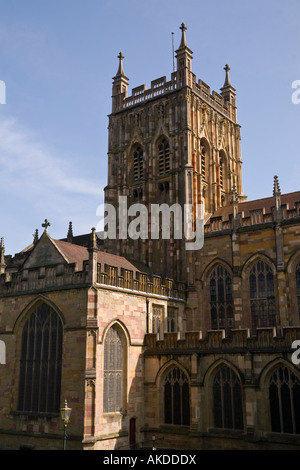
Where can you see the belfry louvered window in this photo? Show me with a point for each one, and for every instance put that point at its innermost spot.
(163, 157)
(113, 371)
(40, 362)
(203, 162)
(221, 305)
(298, 287)
(138, 166)
(221, 173)
(262, 296)
(227, 400)
(284, 395)
(176, 397)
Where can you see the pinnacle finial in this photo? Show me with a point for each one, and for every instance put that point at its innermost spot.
(120, 69)
(2, 259)
(276, 188)
(93, 240)
(227, 79)
(70, 233)
(183, 38)
(35, 237)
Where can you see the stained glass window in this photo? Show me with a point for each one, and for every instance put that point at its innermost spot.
(113, 371)
(262, 296)
(284, 395)
(176, 397)
(221, 306)
(40, 362)
(227, 400)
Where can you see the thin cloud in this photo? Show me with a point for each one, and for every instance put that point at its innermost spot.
(23, 158)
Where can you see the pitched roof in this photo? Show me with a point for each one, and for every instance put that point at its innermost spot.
(83, 240)
(122, 262)
(73, 253)
(78, 254)
(289, 199)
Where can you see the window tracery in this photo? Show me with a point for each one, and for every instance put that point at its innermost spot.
(40, 362)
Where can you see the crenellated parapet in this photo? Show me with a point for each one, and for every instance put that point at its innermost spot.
(264, 339)
(42, 278)
(281, 209)
(161, 87)
(142, 282)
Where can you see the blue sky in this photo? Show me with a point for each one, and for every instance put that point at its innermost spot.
(57, 60)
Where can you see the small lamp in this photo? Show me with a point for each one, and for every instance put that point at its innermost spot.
(65, 414)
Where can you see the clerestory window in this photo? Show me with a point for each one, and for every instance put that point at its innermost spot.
(221, 305)
(262, 296)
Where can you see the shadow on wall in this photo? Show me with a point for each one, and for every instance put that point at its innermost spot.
(133, 419)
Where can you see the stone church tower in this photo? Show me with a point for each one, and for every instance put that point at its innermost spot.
(175, 143)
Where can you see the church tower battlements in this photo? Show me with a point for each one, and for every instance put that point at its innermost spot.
(173, 143)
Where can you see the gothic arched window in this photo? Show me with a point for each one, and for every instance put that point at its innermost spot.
(262, 295)
(221, 306)
(163, 157)
(227, 400)
(298, 287)
(113, 371)
(138, 166)
(284, 395)
(40, 362)
(176, 397)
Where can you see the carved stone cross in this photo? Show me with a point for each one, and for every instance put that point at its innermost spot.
(46, 224)
(183, 27)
